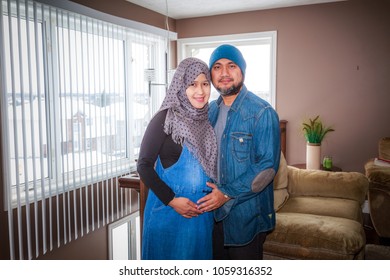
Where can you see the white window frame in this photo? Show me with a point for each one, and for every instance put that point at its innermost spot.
(268, 37)
(124, 238)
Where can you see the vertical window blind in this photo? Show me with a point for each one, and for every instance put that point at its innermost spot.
(74, 106)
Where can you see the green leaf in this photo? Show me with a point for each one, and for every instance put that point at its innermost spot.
(314, 130)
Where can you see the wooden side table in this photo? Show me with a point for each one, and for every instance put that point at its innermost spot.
(333, 169)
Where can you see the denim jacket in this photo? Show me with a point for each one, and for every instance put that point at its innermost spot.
(250, 153)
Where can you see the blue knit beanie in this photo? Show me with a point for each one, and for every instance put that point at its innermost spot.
(229, 52)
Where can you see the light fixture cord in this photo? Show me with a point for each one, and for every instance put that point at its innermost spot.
(167, 50)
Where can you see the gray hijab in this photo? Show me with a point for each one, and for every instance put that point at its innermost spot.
(188, 125)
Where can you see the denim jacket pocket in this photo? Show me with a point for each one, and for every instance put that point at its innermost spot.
(222, 212)
(241, 145)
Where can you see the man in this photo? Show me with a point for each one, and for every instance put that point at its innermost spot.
(248, 137)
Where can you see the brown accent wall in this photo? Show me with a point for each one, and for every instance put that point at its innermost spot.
(4, 244)
(127, 10)
(93, 246)
(333, 60)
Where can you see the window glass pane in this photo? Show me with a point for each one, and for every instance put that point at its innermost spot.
(257, 77)
(141, 105)
(26, 100)
(258, 49)
(92, 91)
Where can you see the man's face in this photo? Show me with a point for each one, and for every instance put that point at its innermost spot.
(226, 77)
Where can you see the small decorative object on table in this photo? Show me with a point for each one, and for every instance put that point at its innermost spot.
(327, 163)
(314, 132)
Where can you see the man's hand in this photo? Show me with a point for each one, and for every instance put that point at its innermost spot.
(213, 200)
(185, 207)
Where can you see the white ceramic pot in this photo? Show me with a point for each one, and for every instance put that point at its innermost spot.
(313, 156)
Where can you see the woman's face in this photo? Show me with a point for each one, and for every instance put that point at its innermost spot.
(199, 91)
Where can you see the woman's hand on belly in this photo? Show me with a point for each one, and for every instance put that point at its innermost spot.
(185, 207)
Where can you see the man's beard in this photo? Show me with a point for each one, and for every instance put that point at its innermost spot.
(233, 90)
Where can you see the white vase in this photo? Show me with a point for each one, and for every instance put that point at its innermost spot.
(313, 156)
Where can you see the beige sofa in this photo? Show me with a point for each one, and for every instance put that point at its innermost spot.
(319, 215)
(378, 174)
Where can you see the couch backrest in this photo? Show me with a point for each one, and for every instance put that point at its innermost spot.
(346, 185)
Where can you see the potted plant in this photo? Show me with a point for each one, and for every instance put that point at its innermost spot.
(314, 132)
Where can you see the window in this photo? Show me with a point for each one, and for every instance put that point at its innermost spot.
(124, 238)
(76, 101)
(74, 104)
(258, 49)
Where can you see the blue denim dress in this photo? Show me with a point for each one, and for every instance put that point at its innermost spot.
(166, 234)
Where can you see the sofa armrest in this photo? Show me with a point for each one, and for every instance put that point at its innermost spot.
(346, 185)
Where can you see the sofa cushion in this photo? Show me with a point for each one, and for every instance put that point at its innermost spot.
(306, 236)
(281, 194)
(324, 206)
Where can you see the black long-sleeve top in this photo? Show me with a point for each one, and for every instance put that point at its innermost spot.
(157, 143)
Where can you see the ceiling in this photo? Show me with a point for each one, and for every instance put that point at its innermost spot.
(179, 9)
